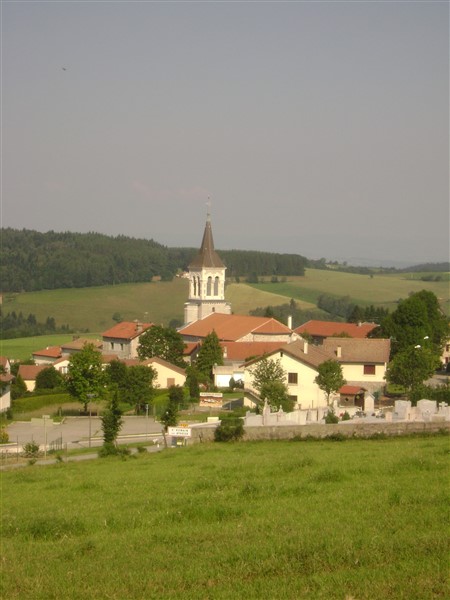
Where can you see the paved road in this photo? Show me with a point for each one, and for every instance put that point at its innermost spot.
(82, 432)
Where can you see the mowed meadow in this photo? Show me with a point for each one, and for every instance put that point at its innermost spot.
(360, 519)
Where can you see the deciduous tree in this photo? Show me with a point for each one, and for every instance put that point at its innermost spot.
(268, 378)
(411, 367)
(49, 379)
(85, 377)
(329, 378)
(163, 342)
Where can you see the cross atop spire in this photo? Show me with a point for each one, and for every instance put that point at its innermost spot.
(208, 210)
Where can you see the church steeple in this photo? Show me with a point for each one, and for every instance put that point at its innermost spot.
(206, 280)
(207, 257)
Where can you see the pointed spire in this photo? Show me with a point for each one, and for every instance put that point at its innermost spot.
(207, 256)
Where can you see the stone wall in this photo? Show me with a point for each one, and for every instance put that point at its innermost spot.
(317, 430)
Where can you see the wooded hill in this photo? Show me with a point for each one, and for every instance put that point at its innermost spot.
(31, 261)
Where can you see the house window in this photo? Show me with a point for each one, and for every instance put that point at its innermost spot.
(293, 399)
(369, 369)
(170, 381)
(121, 347)
(112, 345)
(293, 378)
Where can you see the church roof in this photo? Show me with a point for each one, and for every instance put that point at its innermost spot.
(207, 256)
(234, 327)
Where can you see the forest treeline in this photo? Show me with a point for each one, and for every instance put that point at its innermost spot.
(330, 308)
(16, 325)
(31, 260)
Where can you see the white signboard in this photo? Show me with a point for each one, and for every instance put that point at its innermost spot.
(179, 431)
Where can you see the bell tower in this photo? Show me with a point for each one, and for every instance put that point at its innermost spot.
(206, 281)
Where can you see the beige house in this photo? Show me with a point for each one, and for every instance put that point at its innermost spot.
(363, 362)
(29, 374)
(167, 373)
(122, 340)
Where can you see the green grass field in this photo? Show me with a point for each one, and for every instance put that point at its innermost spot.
(379, 290)
(361, 519)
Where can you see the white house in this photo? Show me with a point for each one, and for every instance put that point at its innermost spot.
(363, 362)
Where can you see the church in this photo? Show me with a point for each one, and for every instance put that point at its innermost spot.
(206, 281)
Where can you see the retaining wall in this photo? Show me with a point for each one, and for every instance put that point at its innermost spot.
(286, 432)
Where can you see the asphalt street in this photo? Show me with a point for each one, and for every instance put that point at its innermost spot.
(82, 432)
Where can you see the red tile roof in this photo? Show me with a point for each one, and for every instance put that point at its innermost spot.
(127, 330)
(329, 328)
(30, 372)
(351, 389)
(49, 352)
(234, 327)
(190, 347)
(243, 351)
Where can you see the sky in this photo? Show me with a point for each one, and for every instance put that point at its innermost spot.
(316, 128)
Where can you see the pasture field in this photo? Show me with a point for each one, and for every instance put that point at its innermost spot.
(379, 290)
(360, 519)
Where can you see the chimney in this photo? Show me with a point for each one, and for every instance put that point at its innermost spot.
(138, 326)
(339, 351)
(289, 321)
(225, 352)
(305, 347)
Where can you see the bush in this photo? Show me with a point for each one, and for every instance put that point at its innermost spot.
(4, 437)
(110, 449)
(346, 416)
(31, 450)
(331, 417)
(230, 430)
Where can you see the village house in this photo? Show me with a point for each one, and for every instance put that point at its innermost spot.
(122, 340)
(237, 353)
(53, 354)
(29, 374)
(167, 374)
(363, 362)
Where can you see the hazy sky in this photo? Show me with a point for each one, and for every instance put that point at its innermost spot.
(319, 128)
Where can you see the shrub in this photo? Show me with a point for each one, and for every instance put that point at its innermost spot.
(346, 416)
(331, 417)
(31, 449)
(110, 449)
(4, 437)
(230, 429)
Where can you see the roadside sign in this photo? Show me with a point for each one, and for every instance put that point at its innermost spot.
(179, 431)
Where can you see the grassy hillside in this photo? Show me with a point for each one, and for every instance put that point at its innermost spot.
(384, 290)
(279, 520)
